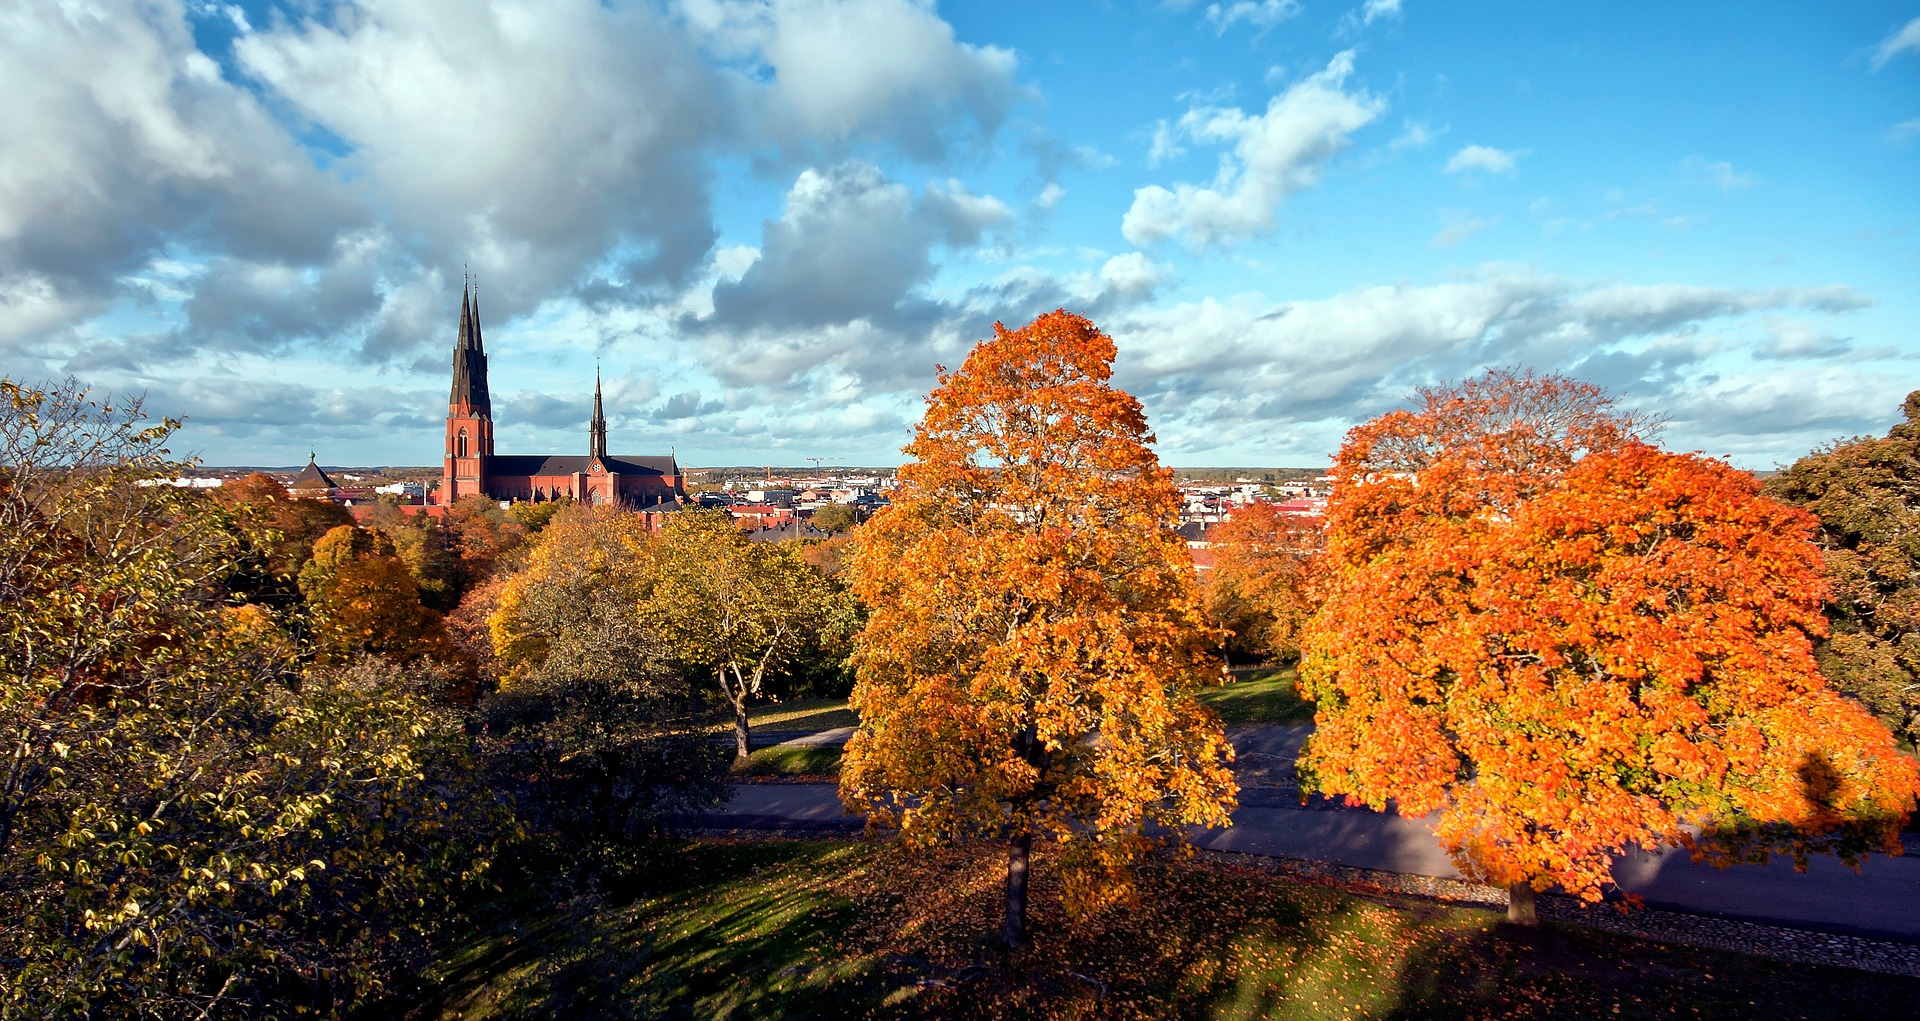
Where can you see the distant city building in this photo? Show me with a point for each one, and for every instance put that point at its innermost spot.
(312, 483)
(648, 483)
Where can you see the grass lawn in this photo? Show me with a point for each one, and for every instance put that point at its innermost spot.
(792, 760)
(771, 930)
(1259, 695)
(1254, 695)
(811, 715)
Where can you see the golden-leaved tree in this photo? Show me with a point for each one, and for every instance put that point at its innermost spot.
(1035, 635)
(1569, 642)
(361, 599)
(1259, 590)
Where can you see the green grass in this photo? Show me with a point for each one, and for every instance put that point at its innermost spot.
(826, 929)
(1259, 695)
(810, 715)
(791, 760)
(1254, 695)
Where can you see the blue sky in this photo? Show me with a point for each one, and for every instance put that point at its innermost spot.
(768, 221)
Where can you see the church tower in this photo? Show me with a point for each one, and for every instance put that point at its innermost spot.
(469, 408)
(597, 431)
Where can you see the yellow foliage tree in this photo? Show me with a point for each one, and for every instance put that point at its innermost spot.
(1036, 635)
(361, 599)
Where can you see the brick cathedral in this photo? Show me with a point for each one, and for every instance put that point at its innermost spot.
(640, 483)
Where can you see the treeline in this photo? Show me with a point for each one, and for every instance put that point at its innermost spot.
(262, 760)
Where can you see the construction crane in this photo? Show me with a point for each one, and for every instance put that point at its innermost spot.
(816, 462)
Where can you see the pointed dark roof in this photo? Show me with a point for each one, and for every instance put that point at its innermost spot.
(311, 477)
(470, 359)
(597, 430)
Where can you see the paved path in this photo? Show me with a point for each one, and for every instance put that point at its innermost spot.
(1883, 900)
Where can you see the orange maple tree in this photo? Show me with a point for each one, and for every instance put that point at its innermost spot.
(1036, 635)
(1260, 587)
(1569, 642)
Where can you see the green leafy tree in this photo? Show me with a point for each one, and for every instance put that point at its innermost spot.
(1866, 493)
(591, 728)
(1035, 635)
(535, 516)
(835, 517)
(734, 609)
(191, 823)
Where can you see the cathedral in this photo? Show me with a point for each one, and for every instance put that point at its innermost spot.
(640, 483)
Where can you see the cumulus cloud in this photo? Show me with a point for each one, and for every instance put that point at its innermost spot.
(1718, 173)
(124, 141)
(450, 111)
(1377, 9)
(1220, 374)
(1483, 157)
(1262, 14)
(825, 73)
(1904, 40)
(840, 279)
(1275, 154)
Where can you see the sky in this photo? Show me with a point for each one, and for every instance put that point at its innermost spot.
(767, 222)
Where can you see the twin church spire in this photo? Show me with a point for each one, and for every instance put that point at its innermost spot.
(469, 396)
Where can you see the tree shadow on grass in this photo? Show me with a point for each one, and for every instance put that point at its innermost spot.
(713, 931)
(1491, 969)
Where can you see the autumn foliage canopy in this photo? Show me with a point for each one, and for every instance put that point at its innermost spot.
(1568, 641)
(1035, 635)
(1260, 589)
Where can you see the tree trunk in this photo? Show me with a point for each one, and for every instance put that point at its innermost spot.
(742, 738)
(1013, 931)
(1520, 909)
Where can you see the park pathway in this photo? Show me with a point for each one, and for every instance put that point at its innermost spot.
(1882, 900)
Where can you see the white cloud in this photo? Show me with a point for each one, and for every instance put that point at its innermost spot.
(1790, 338)
(838, 71)
(1905, 40)
(1050, 196)
(1263, 14)
(1904, 132)
(1413, 135)
(450, 110)
(1133, 276)
(122, 137)
(1459, 227)
(1720, 174)
(1377, 9)
(839, 282)
(1241, 375)
(1275, 154)
(1164, 146)
(1483, 157)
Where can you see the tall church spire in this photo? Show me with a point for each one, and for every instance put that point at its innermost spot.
(597, 431)
(470, 358)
